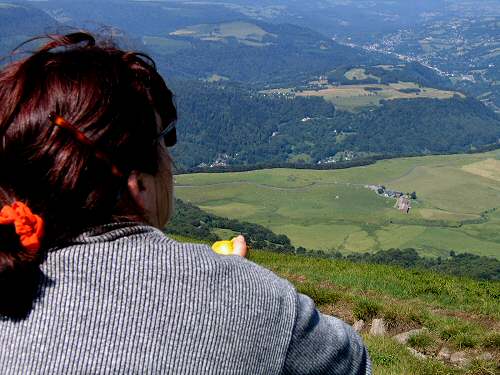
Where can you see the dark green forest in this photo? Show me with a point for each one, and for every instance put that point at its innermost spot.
(251, 128)
(192, 222)
(407, 72)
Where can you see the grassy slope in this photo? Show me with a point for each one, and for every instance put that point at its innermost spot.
(460, 313)
(333, 210)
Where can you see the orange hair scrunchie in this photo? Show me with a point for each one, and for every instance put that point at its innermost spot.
(28, 226)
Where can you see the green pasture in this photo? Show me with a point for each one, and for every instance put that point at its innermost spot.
(247, 33)
(359, 74)
(358, 96)
(165, 46)
(353, 103)
(457, 198)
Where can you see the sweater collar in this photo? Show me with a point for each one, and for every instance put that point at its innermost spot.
(110, 232)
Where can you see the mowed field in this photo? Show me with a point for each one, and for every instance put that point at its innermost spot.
(456, 209)
(356, 96)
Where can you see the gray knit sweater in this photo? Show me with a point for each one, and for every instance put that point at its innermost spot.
(126, 299)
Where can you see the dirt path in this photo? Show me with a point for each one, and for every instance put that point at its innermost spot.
(407, 173)
(271, 187)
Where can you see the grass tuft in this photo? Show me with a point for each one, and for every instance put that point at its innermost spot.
(492, 340)
(460, 333)
(465, 340)
(402, 316)
(480, 367)
(320, 296)
(366, 309)
(390, 358)
(423, 342)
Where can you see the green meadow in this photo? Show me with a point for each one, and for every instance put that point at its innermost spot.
(357, 96)
(457, 198)
(459, 313)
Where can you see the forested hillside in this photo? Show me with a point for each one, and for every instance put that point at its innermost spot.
(18, 22)
(257, 53)
(23, 19)
(246, 127)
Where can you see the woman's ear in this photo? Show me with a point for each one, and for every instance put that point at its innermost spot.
(136, 189)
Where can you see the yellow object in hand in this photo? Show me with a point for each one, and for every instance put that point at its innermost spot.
(223, 247)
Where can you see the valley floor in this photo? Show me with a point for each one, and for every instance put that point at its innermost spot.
(455, 209)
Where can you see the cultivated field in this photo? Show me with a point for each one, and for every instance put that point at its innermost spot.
(353, 97)
(246, 33)
(359, 74)
(456, 209)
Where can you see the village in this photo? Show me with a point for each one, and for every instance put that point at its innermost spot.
(403, 200)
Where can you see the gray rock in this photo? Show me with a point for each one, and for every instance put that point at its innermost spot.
(403, 338)
(485, 356)
(459, 358)
(416, 353)
(358, 325)
(444, 354)
(378, 327)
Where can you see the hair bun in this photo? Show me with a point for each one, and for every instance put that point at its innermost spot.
(28, 226)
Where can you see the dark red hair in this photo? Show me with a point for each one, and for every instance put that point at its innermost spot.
(112, 97)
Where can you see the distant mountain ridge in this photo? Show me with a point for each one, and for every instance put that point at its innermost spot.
(23, 19)
(255, 53)
(219, 59)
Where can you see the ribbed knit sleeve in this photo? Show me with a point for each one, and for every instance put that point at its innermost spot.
(324, 345)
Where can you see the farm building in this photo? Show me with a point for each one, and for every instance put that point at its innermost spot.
(403, 204)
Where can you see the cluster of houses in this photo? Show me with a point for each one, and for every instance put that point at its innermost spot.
(222, 160)
(339, 156)
(403, 200)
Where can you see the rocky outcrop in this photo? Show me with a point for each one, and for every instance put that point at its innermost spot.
(403, 338)
(359, 325)
(459, 358)
(486, 357)
(416, 353)
(444, 354)
(378, 327)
